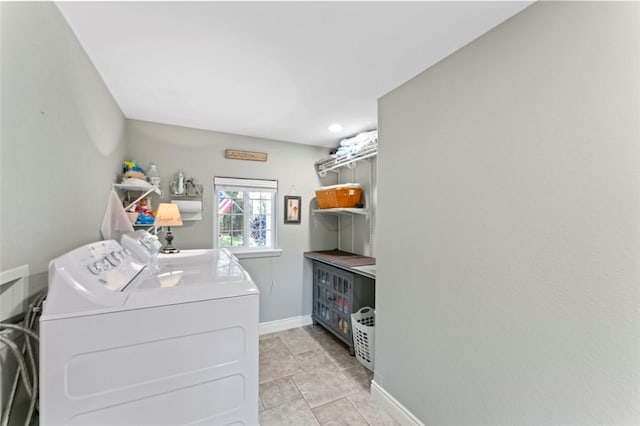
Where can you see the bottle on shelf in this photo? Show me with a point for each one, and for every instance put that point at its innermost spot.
(153, 175)
(181, 187)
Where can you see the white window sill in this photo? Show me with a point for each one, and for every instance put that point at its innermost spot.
(251, 254)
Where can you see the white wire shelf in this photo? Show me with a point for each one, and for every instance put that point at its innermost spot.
(333, 163)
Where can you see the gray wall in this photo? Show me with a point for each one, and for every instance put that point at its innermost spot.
(62, 141)
(513, 296)
(285, 281)
(62, 138)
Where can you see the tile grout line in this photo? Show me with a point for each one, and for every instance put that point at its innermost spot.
(285, 402)
(305, 401)
(358, 411)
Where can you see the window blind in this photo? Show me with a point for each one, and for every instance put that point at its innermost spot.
(240, 184)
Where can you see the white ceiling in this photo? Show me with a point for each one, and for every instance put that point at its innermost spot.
(277, 70)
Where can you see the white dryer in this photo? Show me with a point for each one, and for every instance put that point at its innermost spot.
(125, 342)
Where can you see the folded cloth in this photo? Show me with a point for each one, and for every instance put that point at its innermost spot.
(360, 138)
(115, 222)
(348, 142)
(361, 146)
(343, 151)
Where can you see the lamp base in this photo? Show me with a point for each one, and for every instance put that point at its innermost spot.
(169, 248)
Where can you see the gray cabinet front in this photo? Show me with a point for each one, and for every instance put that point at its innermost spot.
(338, 293)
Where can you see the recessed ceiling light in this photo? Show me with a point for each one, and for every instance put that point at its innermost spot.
(335, 127)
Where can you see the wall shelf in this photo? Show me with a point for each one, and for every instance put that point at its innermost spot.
(145, 190)
(185, 197)
(349, 161)
(139, 188)
(343, 211)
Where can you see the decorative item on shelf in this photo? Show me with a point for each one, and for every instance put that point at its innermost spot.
(193, 189)
(180, 186)
(131, 170)
(168, 215)
(144, 216)
(184, 187)
(292, 209)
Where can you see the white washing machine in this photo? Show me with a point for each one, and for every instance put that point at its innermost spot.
(127, 342)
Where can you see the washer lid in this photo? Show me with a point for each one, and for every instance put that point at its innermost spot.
(190, 276)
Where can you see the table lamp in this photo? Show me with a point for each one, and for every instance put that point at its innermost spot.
(168, 215)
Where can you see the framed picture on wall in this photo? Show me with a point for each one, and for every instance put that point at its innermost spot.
(292, 209)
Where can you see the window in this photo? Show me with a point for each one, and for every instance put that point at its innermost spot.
(244, 219)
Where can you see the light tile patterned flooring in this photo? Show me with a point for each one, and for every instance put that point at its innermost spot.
(307, 377)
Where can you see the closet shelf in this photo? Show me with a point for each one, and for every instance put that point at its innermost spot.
(333, 163)
(343, 211)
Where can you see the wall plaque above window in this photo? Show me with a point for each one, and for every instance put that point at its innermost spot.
(236, 154)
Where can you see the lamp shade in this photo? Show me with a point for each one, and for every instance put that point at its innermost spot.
(168, 215)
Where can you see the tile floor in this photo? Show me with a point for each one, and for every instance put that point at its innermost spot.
(307, 377)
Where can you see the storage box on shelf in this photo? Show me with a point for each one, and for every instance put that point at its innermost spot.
(342, 199)
(339, 196)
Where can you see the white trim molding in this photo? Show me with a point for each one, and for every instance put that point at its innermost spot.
(285, 324)
(251, 254)
(391, 405)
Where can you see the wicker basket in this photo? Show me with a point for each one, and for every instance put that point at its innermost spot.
(331, 197)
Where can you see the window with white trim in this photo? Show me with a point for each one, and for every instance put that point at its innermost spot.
(245, 214)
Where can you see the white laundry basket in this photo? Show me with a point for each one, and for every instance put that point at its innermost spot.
(363, 327)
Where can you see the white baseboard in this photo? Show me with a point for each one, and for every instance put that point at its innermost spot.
(391, 405)
(285, 324)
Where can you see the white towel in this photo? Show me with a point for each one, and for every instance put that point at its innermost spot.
(115, 222)
(360, 139)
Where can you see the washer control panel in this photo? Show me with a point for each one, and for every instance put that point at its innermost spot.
(143, 245)
(110, 264)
